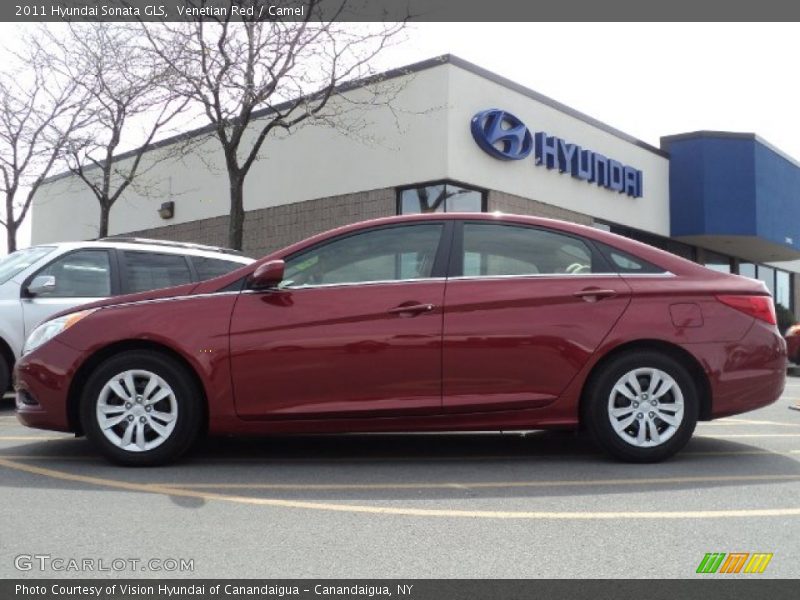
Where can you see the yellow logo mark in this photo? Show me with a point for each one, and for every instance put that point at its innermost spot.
(758, 563)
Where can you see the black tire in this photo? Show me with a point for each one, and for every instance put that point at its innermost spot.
(187, 398)
(596, 410)
(5, 376)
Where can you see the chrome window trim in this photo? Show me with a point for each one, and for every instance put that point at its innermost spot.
(207, 294)
(459, 278)
(346, 284)
(559, 275)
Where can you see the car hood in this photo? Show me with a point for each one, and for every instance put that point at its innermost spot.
(170, 292)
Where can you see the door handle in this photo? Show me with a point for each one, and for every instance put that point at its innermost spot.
(411, 309)
(594, 294)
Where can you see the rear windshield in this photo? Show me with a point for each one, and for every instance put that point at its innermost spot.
(18, 261)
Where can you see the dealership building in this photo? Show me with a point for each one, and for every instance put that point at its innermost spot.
(455, 137)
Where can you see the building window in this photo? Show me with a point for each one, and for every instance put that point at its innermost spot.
(783, 289)
(717, 262)
(747, 270)
(443, 196)
(767, 275)
(779, 283)
(672, 246)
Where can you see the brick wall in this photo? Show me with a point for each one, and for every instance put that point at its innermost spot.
(269, 229)
(509, 203)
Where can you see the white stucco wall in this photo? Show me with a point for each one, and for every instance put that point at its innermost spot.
(470, 93)
(379, 148)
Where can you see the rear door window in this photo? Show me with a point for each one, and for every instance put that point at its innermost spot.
(491, 250)
(145, 271)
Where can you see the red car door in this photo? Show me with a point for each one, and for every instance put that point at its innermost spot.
(355, 329)
(524, 313)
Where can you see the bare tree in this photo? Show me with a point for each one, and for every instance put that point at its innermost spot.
(39, 111)
(252, 78)
(129, 104)
(432, 198)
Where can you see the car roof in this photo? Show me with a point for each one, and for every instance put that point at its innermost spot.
(159, 246)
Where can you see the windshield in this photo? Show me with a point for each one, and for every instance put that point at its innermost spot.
(18, 261)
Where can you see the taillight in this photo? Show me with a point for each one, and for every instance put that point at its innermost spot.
(760, 307)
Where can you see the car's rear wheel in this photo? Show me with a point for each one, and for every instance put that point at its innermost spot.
(141, 408)
(642, 406)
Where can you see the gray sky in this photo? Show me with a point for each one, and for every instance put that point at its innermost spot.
(646, 79)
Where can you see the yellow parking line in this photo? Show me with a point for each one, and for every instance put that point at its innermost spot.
(487, 484)
(28, 438)
(401, 511)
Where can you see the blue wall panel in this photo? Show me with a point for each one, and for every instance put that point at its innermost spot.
(777, 196)
(686, 188)
(733, 184)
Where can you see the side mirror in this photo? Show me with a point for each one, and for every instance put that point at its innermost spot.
(41, 284)
(268, 275)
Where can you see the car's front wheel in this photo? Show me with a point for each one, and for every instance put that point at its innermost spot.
(642, 406)
(141, 408)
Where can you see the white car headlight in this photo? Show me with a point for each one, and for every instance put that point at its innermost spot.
(50, 329)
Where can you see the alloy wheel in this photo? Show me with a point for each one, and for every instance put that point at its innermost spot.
(645, 407)
(136, 410)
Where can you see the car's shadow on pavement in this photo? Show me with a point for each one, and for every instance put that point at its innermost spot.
(386, 467)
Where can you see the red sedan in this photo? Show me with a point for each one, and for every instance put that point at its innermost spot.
(436, 322)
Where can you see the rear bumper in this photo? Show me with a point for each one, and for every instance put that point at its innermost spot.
(748, 374)
(41, 383)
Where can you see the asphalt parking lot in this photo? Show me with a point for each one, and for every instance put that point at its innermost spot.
(423, 506)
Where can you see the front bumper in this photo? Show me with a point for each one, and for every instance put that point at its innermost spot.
(41, 382)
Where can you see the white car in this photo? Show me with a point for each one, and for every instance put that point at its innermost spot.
(40, 281)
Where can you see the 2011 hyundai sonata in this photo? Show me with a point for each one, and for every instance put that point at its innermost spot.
(436, 322)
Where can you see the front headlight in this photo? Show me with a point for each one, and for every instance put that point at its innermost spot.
(50, 329)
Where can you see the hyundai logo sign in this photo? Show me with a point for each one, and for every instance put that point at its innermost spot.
(503, 136)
